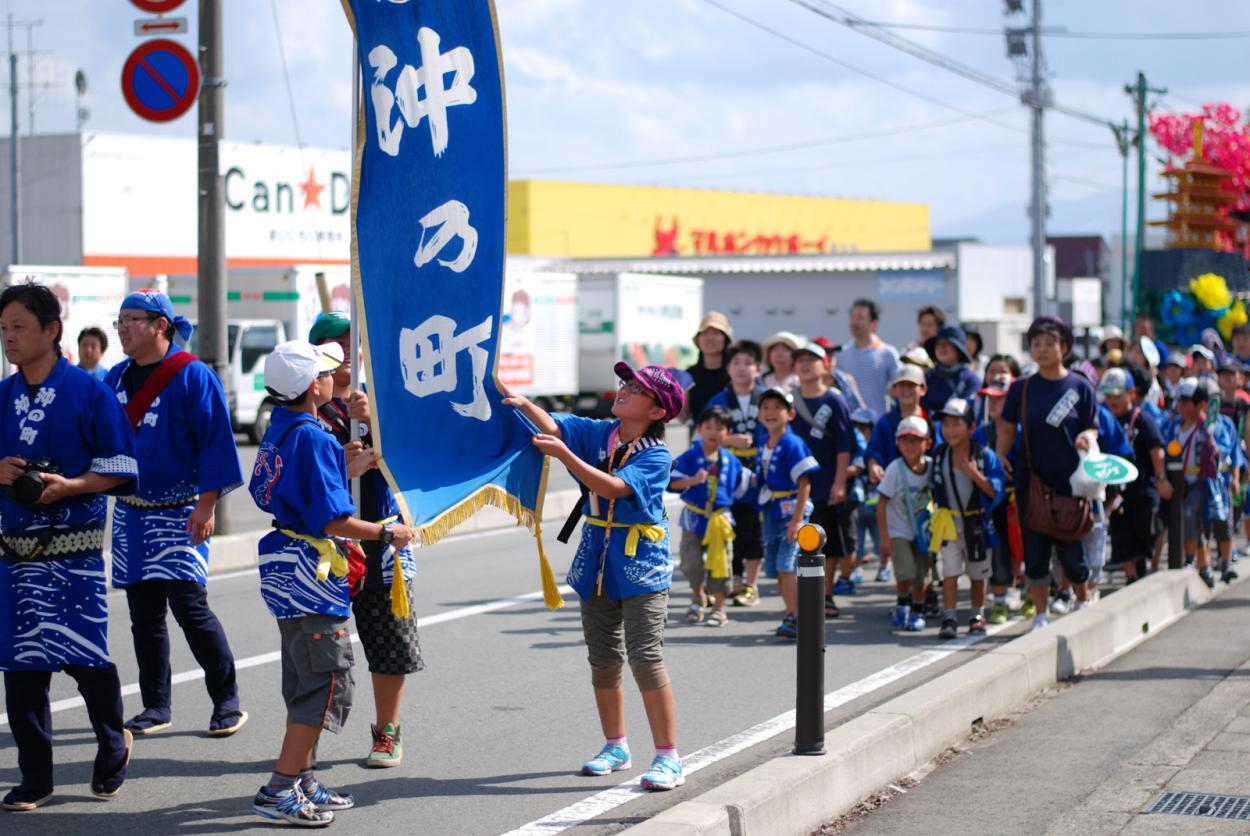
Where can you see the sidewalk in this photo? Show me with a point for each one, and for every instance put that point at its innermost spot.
(1094, 755)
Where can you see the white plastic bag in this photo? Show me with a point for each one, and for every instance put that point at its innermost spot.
(1082, 484)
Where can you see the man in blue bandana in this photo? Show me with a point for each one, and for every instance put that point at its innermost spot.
(187, 461)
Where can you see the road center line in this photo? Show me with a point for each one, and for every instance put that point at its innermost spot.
(596, 805)
(268, 658)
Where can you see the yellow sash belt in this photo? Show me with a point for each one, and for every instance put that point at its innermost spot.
(719, 534)
(654, 533)
(331, 561)
(744, 452)
(942, 527)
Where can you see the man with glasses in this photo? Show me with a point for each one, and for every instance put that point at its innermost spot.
(187, 461)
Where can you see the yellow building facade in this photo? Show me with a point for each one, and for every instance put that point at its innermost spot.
(589, 220)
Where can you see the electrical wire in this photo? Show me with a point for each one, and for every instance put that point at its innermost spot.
(859, 70)
(286, 74)
(762, 151)
(1065, 33)
(841, 16)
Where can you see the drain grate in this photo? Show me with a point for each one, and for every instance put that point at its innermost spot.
(1232, 807)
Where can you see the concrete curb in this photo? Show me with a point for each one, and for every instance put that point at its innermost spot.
(232, 552)
(795, 795)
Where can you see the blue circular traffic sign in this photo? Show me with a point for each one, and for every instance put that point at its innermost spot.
(160, 80)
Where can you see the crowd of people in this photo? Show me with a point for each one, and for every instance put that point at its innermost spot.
(936, 463)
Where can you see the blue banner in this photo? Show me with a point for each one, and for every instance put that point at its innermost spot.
(428, 245)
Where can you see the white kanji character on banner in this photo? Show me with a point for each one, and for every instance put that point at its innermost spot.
(428, 355)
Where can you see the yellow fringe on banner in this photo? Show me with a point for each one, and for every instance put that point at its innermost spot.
(497, 497)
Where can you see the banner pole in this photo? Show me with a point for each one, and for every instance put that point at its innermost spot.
(355, 312)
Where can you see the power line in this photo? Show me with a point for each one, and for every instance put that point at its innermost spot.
(841, 16)
(1060, 32)
(859, 163)
(763, 151)
(880, 79)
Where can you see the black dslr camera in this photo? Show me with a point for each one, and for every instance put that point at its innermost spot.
(27, 488)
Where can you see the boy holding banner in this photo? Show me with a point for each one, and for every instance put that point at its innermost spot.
(309, 571)
(385, 619)
(623, 567)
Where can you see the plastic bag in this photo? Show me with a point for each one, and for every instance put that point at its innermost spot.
(1082, 484)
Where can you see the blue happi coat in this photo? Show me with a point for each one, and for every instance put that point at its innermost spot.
(185, 446)
(54, 612)
(650, 568)
(301, 478)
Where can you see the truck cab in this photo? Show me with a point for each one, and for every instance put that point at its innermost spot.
(250, 341)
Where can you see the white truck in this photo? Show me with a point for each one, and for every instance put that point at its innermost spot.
(538, 336)
(640, 318)
(89, 296)
(264, 306)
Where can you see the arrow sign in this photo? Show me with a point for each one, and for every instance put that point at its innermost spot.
(160, 80)
(161, 26)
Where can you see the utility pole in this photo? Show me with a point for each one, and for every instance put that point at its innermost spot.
(1037, 102)
(15, 159)
(213, 347)
(1123, 141)
(1139, 92)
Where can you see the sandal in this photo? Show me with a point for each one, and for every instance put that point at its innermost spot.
(226, 724)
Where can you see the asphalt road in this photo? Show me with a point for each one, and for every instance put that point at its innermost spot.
(495, 728)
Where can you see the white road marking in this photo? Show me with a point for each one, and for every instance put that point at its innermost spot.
(267, 658)
(596, 805)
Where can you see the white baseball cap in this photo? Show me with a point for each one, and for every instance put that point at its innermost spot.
(912, 425)
(292, 367)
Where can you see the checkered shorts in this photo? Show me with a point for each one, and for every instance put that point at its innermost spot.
(391, 644)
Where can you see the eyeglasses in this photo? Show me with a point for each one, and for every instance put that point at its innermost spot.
(633, 387)
(127, 321)
(325, 374)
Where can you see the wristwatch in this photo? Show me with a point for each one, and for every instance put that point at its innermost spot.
(388, 534)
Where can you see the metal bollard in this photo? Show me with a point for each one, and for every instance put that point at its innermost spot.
(1176, 516)
(809, 701)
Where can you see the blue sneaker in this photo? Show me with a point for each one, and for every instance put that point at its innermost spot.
(611, 758)
(326, 799)
(665, 774)
(857, 577)
(915, 623)
(843, 586)
(885, 573)
(290, 807)
(899, 616)
(789, 628)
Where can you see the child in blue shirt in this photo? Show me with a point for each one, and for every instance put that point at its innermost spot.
(622, 570)
(709, 478)
(787, 466)
(301, 478)
(741, 398)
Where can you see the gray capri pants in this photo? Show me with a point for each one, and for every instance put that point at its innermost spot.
(632, 629)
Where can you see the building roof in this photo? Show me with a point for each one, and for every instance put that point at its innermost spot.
(702, 265)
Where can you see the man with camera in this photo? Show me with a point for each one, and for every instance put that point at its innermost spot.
(176, 410)
(64, 445)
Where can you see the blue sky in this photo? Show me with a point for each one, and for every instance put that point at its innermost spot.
(596, 88)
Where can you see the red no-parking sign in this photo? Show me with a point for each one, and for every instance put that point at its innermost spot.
(158, 7)
(160, 80)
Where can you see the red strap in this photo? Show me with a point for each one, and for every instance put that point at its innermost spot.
(159, 379)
